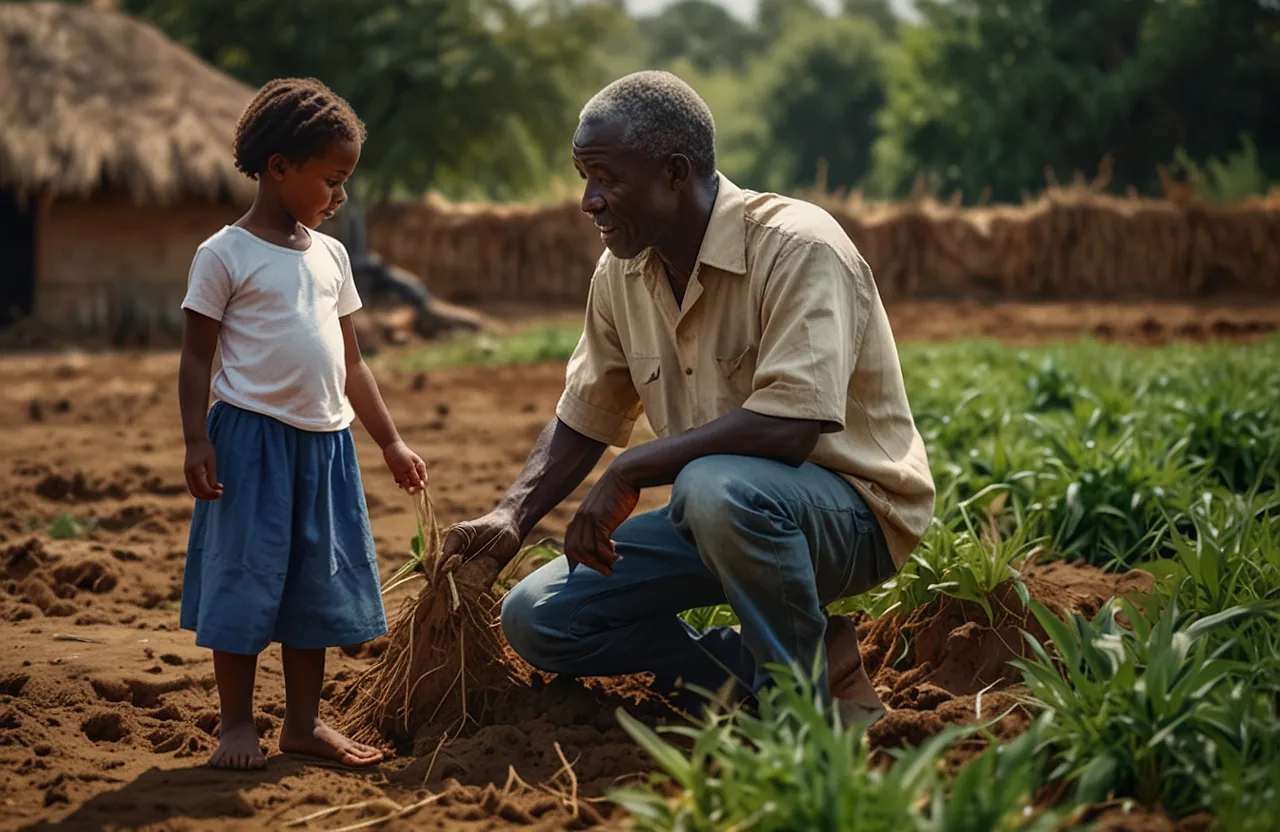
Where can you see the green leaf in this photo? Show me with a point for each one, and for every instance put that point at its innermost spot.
(666, 756)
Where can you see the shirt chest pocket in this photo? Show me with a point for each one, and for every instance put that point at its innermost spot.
(736, 376)
(646, 375)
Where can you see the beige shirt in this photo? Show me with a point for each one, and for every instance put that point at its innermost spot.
(781, 317)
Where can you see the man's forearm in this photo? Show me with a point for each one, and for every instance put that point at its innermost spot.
(738, 432)
(560, 460)
(370, 409)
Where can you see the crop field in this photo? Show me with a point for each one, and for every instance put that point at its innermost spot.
(1088, 638)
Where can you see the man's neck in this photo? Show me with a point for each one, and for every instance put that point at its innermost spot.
(679, 250)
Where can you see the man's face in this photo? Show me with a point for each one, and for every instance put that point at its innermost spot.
(630, 198)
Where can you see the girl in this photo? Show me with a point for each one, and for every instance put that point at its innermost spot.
(285, 553)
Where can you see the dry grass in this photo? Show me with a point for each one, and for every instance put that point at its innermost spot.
(1070, 243)
(91, 97)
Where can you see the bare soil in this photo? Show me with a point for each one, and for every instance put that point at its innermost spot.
(108, 710)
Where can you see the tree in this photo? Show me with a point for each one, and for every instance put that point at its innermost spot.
(822, 86)
(776, 18)
(701, 32)
(878, 12)
(988, 94)
(451, 90)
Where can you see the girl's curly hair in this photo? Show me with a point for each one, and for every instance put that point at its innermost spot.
(295, 117)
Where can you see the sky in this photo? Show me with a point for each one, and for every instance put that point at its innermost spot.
(744, 9)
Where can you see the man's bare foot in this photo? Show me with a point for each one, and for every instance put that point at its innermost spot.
(238, 749)
(319, 740)
(851, 688)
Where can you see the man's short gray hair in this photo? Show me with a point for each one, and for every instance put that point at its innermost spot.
(663, 115)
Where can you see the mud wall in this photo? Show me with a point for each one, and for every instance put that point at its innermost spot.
(1071, 244)
(101, 265)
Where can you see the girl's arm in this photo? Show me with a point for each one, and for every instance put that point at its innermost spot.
(199, 340)
(408, 468)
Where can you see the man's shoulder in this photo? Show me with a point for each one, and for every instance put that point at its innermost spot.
(791, 219)
(783, 228)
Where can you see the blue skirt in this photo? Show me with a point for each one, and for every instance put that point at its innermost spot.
(286, 554)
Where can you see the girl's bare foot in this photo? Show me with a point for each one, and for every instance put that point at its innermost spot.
(319, 740)
(238, 749)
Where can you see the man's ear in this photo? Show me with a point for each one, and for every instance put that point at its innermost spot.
(276, 166)
(679, 171)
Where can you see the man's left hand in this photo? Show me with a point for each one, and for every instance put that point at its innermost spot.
(589, 538)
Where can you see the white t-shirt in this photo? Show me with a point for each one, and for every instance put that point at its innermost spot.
(281, 340)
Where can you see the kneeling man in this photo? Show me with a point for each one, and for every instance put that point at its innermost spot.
(748, 329)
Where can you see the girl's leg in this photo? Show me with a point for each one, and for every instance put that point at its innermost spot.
(238, 740)
(303, 731)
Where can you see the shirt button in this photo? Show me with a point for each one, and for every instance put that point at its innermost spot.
(688, 371)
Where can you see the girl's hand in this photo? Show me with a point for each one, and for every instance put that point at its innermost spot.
(407, 467)
(201, 468)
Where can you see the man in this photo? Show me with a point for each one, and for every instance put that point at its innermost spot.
(749, 330)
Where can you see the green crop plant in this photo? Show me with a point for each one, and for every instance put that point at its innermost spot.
(1104, 503)
(1244, 796)
(967, 564)
(790, 766)
(1142, 710)
(1240, 444)
(1052, 387)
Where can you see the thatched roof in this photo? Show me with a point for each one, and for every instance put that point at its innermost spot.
(93, 101)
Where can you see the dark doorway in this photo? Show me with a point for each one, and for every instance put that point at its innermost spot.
(17, 258)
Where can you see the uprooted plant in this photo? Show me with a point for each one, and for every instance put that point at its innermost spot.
(445, 651)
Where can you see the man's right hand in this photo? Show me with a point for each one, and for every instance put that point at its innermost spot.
(201, 468)
(495, 535)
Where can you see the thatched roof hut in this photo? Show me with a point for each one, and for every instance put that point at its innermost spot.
(115, 161)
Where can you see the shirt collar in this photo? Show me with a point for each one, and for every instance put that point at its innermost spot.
(724, 245)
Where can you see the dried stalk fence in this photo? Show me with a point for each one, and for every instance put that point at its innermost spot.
(1071, 243)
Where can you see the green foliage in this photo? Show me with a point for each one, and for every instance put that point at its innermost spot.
(701, 32)
(989, 94)
(966, 565)
(1103, 502)
(818, 95)
(479, 98)
(704, 618)
(1144, 708)
(789, 766)
(545, 343)
(66, 527)
(451, 90)
(1161, 458)
(1237, 177)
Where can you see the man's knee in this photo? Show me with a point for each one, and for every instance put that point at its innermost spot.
(527, 621)
(715, 492)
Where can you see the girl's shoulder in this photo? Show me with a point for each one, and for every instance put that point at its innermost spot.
(335, 248)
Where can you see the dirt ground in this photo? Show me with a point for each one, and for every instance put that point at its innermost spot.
(107, 710)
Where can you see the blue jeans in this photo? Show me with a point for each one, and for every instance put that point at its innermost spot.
(775, 542)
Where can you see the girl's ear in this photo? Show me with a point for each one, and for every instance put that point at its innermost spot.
(276, 166)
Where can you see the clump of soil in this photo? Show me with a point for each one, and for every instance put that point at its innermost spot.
(78, 488)
(946, 662)
(21, 559)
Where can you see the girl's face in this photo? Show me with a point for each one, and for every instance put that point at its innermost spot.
(313, 191)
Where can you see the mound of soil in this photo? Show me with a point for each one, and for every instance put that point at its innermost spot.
(947, 662)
